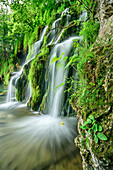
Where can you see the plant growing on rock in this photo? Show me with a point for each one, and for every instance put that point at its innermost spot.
(92, 127)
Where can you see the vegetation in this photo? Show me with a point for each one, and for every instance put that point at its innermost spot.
(93, 127)
(22, 26)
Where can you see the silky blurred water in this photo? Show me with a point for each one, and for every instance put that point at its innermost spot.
(36, 142)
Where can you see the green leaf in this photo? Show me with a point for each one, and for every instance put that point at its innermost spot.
(89, 131)
(95, 128)
(61, 55)
(65, 58)
(84, 127)
(53, 59)
(67, 65)
(95, 138)
(99, 128)
(59, 64)
(91, 117)
(88, 121)
(87, 141)
(85, 123)
(101, 136)
(83, 134)
(59, 85)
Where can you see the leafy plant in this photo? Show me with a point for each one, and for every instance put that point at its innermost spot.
(94, 128)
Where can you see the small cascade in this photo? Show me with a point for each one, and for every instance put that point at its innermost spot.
(37, 45)
(66, 11)
(11, 95)
(68, 17)
(57, 76)
(28, 92)
(54, 37)
(54, 29)
(83, 16)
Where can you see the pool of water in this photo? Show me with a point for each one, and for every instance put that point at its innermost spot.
(30, 141)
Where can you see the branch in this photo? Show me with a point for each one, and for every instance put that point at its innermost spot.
(85, 6)
(64, 27)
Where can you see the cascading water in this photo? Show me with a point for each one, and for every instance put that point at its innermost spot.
(45, 141)
(11, 95)
(58, 76)
(55, 27)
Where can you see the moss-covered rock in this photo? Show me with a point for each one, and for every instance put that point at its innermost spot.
(97, 100)
(37, 77)
(22, 85)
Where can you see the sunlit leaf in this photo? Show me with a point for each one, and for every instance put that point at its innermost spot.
(101, 136)
(53, 59)
(59, 85)
(84, 127)
(95, 138)
(65, 58)
(95, 128)
(99, 128)
(89, 121)
(91, 117)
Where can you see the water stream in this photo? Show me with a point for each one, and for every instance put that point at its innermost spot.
(28, 141)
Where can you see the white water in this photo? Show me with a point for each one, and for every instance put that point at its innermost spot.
(54, 37)
(58, 76)
(37, 45)
(54, 29)
(83, 16)
(36, 142)
(11, 95)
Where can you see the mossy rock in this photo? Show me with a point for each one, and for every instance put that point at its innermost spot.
(70, 30)
(97, 98)
(37, 77)
(22, 85)
(43, 105)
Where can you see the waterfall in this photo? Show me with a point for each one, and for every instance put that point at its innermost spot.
(37, 45)
(58, 76)
(54, 37)
(11, 95)
(54, 29)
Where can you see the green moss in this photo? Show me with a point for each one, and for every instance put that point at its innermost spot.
(36, 77)
(71, 30)
(94, 96)
(7, 78)
(63, 21)
(35, 98)
(21, 87)
(43, 104)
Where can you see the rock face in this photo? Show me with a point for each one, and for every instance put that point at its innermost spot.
(105, 10)
(99, 70)
(107, 29)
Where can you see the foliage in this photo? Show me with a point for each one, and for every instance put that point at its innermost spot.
(93, 128)
(22, 26)
(89, 31)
